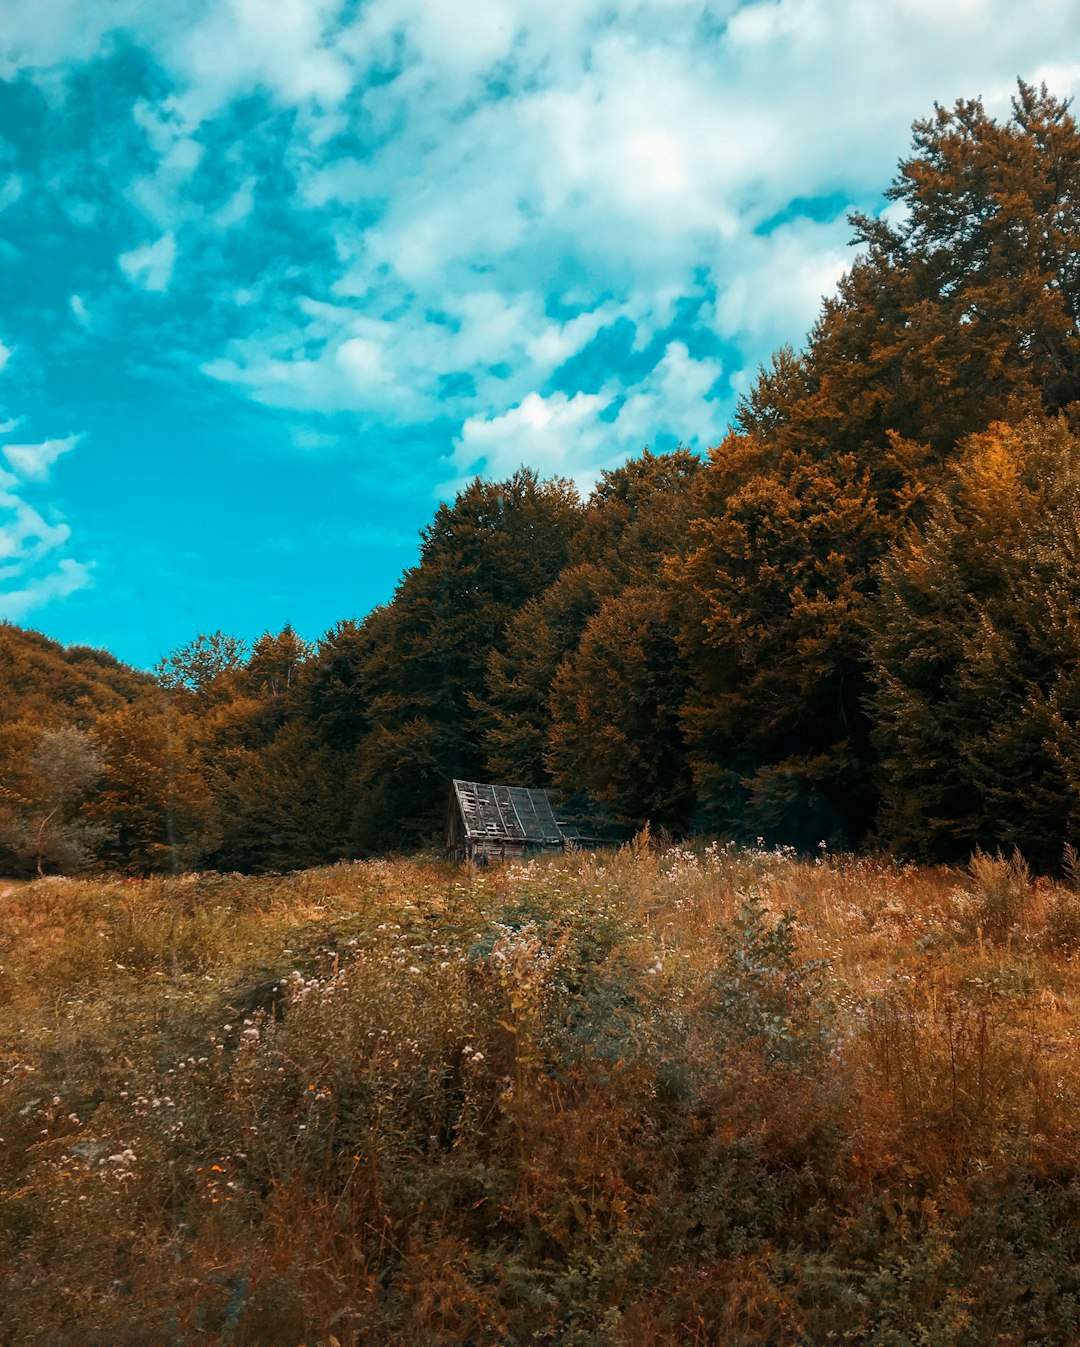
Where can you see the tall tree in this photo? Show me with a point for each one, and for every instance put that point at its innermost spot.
(976, 649)
(616, 734)
(635, 517)
(515, 710)
(200, 664)
(153, 793)
(962, 312)
(481, 561)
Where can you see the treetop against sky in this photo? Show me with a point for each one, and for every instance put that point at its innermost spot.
(277, 275)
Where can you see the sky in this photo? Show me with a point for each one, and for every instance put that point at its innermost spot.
(277, 276)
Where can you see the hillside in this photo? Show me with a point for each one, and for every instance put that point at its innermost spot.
(854, 620)
(47, 683)
(620, 1099)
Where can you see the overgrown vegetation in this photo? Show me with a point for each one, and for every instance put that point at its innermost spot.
(654, 1097)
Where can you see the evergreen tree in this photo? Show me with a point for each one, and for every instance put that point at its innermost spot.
(282, 806)
(515, 712)
(773, 627)
(331, 694)
(636, 516)
(275, 663)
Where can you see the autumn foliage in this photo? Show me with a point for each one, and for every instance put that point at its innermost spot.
(853, 622)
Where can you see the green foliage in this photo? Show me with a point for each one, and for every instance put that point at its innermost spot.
(199, 664)
(515, 711)
(764, 994)
(772, 619)
(47, 684)
(280, 806)
(962, 313)
(152, 795)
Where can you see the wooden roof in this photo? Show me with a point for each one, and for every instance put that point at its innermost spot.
(507, 814)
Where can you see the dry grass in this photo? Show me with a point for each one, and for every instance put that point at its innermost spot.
(602, 1099)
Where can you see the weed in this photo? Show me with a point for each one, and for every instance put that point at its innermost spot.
(662, 1096)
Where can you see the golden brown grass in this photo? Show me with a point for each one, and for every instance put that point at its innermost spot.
(618, 1099)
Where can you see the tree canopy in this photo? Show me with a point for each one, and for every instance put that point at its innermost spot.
(853, 621)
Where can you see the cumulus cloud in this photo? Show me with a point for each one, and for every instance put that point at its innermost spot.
(630, 157)
(577, 436)
(487, 222)
(150, 267)
(552, 434)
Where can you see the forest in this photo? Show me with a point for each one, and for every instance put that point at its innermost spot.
(796, 1065)
(854, 622)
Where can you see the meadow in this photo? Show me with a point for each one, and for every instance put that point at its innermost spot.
(662, 1096)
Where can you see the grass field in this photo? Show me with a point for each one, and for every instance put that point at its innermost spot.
(658, 1097)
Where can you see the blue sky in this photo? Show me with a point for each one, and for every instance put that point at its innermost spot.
(278, 275)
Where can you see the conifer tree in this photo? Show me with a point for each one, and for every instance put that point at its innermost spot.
(515, 711)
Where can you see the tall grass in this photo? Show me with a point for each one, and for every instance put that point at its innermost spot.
(646, 1098)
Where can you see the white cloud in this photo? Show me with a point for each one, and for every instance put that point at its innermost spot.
(776, 293)
(552, 434)
(25, 537)
(34, 461)
(576, 436)
(239, 206)
(502, 185)
(287, 47)
(627, 162)
(67, 578)
(151, 266)
(33, 566)
(79, 310)
(671, 401)
(5, 354)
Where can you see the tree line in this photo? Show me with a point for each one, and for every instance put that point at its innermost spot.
(855, 621)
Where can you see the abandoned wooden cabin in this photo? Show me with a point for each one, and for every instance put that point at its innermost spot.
(489, 822)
